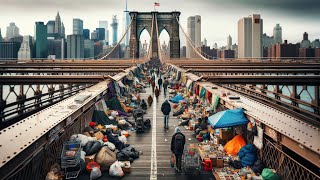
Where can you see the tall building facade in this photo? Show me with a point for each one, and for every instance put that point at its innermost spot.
(194, 33)
(114, 26)
(1, 39)
(104, 24)
(75, 46)
(77, 26)
(40, 38)
(250, 30)
(86, 33)
(12, 31)
(126, 24)
(51, 29)
(56, 48)
(9, 50)
(229, 42)
(277, 34)
(305, 43)
(26, 49)
(57, 24)
(88, 48)
(101, 34)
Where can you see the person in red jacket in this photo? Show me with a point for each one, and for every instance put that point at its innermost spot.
(156, 92)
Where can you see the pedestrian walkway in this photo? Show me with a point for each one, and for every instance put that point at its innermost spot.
(142, 167)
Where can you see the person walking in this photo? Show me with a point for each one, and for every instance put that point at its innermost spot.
(149, 80)
(165, 86)
(150, 100)
(166, 109)
(177, 147)
(153, 85)
(156, 92)
(160, 83)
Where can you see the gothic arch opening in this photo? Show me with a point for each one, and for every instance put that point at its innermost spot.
(164, 39)
(144, 42)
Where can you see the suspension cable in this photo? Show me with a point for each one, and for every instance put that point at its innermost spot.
(190, 41)
(119, 41)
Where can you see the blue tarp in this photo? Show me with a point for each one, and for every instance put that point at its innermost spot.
(176, 99)
(228, 118)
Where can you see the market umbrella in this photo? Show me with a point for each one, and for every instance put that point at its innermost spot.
(228, 118)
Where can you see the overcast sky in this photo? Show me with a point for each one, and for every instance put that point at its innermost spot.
(219, 17)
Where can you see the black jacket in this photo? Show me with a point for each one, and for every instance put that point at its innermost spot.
(174, 148)
(160, 82)
(166, 108)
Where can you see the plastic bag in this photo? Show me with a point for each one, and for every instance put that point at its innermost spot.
(234, 145)
(110, 145)
(269, 174)
(116, 170)
(122, 122)
(81, 138)
(111, 117)
(172, 160)
(83, 154)
(95, 173)
(114, 114)
(106, 157)
(123, 139)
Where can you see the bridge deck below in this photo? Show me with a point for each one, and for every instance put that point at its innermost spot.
(141, 168)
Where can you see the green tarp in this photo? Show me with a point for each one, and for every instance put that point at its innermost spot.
(100, 117)
(114, 104)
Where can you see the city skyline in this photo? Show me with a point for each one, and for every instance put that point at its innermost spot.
(213, 13)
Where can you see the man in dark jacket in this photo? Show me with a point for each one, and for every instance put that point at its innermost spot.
(160, 83)
(166, 109)
(165, 86)
(177, 147)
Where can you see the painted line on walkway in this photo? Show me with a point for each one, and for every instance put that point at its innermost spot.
(153, 173)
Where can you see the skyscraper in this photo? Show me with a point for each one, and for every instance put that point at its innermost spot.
(250, 36)
(40, 38)
(50, 29)
(229, 42)
(114, 26)
(194, 33)
(12, 31)
(305, 43)
(101, 33)
(9, 50)
(26, 48)
(1, 39)
(77, 26)
(205, 42)
(104, 24)
(277, 34)
(57, 24)
(63, 31)
(126, 24)
(86, 33)
(75, 46)
(56, 48)
(88, 48)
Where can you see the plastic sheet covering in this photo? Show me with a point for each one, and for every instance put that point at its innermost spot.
(100, 117)
(101, 105)
(121, 84)
(215, 101)
(228, 118)
(189, 82)
(234, 145)
(202, 92)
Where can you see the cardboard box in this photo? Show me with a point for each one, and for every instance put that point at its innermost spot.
(99, 135)
(89, 158)
(220, 162)
(226, 135)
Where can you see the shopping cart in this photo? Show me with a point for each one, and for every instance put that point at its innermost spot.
(70, 159)
(191, 163)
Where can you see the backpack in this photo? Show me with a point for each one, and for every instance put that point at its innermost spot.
(178, 143)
